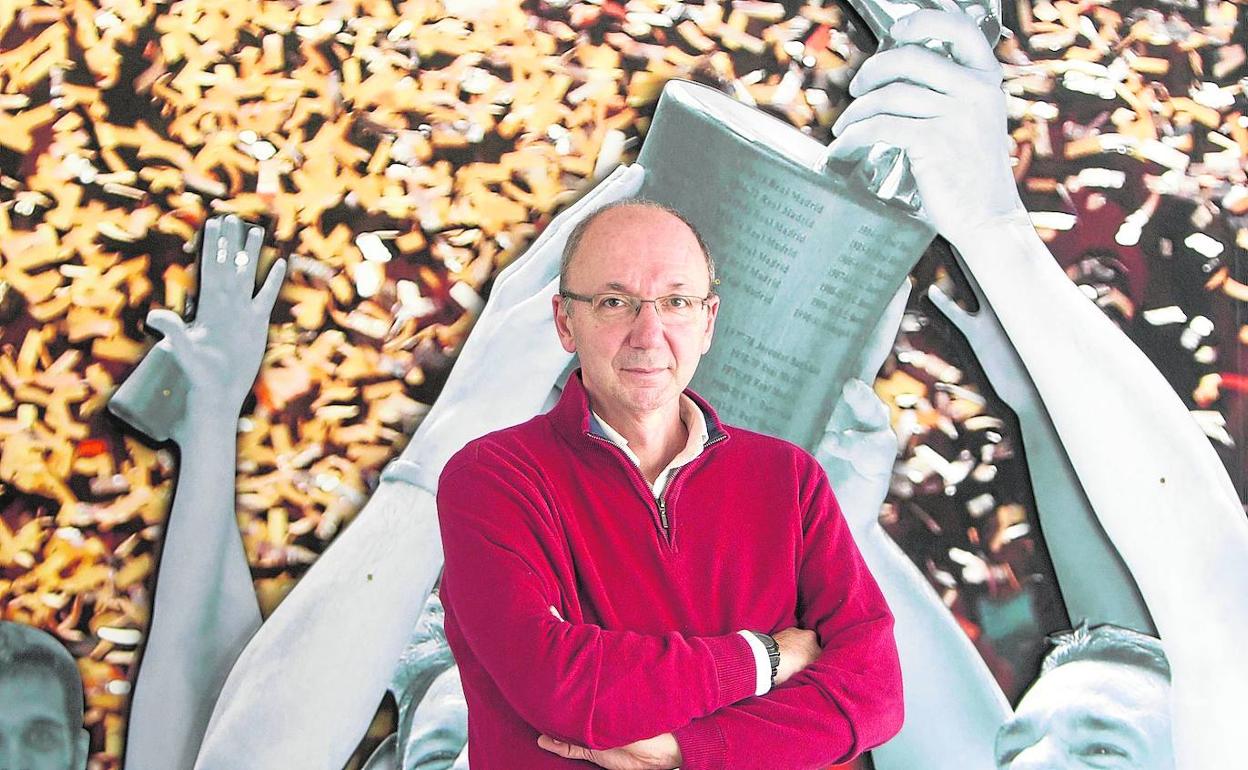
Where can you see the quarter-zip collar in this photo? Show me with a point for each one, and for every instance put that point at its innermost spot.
(570, 416)
(694, 423)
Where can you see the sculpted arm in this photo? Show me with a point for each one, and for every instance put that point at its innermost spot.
(1157, 487)
(323, 659)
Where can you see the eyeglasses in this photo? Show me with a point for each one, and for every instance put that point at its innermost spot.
(611, 307)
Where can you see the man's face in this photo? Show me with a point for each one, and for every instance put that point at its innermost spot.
(439, 726)
(34, 733)
(1090, 714)
(639, 364)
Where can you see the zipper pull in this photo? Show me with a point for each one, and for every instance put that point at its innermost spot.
(663, 514)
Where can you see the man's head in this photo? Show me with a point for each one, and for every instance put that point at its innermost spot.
(41, 702)
(438, 729)
(636, 363)
(1102, 701)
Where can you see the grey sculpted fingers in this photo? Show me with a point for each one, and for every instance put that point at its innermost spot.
(249, 257)
(951, 310)
(905, 100)
(884, 335)
(263, 303)
(909, 64)
(171, 325)
(966, 43)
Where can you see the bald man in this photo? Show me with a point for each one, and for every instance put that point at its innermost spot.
(41, 702)
(629, 581)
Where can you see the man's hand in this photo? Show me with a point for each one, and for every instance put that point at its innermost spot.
(658, 753)
(948, 115)
(798, 649)
(221, 349)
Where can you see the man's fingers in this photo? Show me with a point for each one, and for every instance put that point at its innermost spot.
(209, 240)
(250, 254)
(211, 271)
(880, 341)
(950, 309)
(172, 327)
(904, 100)
(888, 129)
(967, 43)
(263, 303)
(564, 749)
(917, 65)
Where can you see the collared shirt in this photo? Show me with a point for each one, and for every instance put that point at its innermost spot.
(695, 423)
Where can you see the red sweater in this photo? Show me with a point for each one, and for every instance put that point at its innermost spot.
(547, 514)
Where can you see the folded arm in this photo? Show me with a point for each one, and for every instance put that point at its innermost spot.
(847, 701)
(573, 681)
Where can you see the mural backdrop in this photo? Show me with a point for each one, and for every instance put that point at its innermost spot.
(400, 154)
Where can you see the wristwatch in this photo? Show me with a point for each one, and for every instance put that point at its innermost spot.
(773, 653)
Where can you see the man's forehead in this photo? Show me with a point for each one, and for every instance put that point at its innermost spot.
(639, 249)
(1093, 694)
(32, 692)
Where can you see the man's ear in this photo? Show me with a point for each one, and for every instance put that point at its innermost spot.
(81, 748)
(560, 308)
(712, 311)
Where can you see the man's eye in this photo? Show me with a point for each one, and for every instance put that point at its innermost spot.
(612, 302)
(42, 736)
(677, 303)
(1103, 750)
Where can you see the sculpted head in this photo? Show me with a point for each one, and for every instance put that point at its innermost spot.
(41, 703)
(1102, 701)
(636, 363)
(434, 737)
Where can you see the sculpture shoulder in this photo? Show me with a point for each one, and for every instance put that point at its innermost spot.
(516, 448)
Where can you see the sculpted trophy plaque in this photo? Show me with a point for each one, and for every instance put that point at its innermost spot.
(809, 253)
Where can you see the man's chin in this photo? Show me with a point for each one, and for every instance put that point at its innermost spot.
(648, 397)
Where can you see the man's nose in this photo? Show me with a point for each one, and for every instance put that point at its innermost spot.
(647, 328)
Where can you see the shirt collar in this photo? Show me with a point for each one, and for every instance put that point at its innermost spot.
(690, 415)
(571, 415)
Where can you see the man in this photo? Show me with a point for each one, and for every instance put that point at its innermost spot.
(1121, 718)
(40, 703)
(607, 562)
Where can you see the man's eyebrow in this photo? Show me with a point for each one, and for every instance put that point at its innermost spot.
(41, 722)
(617, 286)
(1106, 724)
(1015, 727)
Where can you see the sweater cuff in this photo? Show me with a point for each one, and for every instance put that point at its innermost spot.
(735, 669)
(761, 662)
(702, 745)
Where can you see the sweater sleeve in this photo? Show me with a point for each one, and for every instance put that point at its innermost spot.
(573, 681)
(846, 702)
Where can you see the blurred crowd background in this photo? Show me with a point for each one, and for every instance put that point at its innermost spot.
(400, 154)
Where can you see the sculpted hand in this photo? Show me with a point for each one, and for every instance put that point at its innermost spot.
(948, 115)
(857, 452)
(658, 753)
(798, 649)
(858, 448)
(512, 358)
(220, 351)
